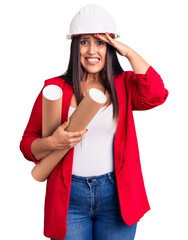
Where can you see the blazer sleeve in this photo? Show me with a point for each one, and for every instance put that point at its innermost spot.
(33, 129)
(147, 90)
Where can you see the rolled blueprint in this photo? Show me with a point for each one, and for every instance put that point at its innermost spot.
(79, 120)
(51, 109)
(86, 110)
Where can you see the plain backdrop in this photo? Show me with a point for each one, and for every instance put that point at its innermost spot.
(33, 47)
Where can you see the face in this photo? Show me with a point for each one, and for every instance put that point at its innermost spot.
(92, 53)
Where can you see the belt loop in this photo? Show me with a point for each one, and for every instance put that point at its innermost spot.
(110, 178)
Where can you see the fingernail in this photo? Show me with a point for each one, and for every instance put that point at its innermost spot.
(98, 33)
(86, 130)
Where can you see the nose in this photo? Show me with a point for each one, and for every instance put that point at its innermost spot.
(91, 49)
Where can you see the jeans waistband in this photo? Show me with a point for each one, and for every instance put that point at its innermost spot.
(98, 179)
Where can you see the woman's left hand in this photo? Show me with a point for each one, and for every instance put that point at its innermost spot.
(138, 64)
(121, 48)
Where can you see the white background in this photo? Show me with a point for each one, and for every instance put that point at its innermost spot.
(34, 48)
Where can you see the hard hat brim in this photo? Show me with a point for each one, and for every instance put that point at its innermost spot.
(70, 36)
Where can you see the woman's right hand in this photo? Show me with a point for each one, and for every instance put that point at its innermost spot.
(61, 139)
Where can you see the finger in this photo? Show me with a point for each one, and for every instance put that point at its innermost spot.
(106, 38)
(72, 143)
(65, 124)
(76, 140)
(103, 38)
(76, 134)
(110, 39)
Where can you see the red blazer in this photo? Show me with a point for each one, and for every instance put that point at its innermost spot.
(134, 92)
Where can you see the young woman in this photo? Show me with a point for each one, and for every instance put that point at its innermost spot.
(97, 190)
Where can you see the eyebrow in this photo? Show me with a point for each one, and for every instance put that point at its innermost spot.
(89, 38)
(85, 38)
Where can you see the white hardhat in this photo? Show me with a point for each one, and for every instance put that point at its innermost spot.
(92, 19)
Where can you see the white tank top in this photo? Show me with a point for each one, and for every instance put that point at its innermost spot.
(93, 156)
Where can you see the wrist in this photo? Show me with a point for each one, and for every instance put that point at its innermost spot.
(50, 142)
(129, 53)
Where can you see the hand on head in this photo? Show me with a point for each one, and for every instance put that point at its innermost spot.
(121, 48)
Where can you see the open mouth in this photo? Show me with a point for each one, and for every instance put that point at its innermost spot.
(92, 60)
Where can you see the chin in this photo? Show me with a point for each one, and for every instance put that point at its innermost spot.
(93, 71)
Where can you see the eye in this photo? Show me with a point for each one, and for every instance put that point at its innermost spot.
(84, 42)
(100, 43)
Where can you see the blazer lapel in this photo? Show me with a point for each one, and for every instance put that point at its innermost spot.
(119, 140)
(67, 96)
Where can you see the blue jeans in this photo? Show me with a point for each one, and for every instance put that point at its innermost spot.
(94, 210)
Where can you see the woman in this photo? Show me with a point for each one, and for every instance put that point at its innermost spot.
(97, 190)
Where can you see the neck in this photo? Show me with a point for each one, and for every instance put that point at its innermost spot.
(91, 77)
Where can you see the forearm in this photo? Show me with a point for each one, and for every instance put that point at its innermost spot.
(41, 147)
(139, 65)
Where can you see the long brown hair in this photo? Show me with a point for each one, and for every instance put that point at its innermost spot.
(74, 73)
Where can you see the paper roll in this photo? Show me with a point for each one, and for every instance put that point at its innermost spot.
(79, 120)
(51, 109)
(86, 110)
